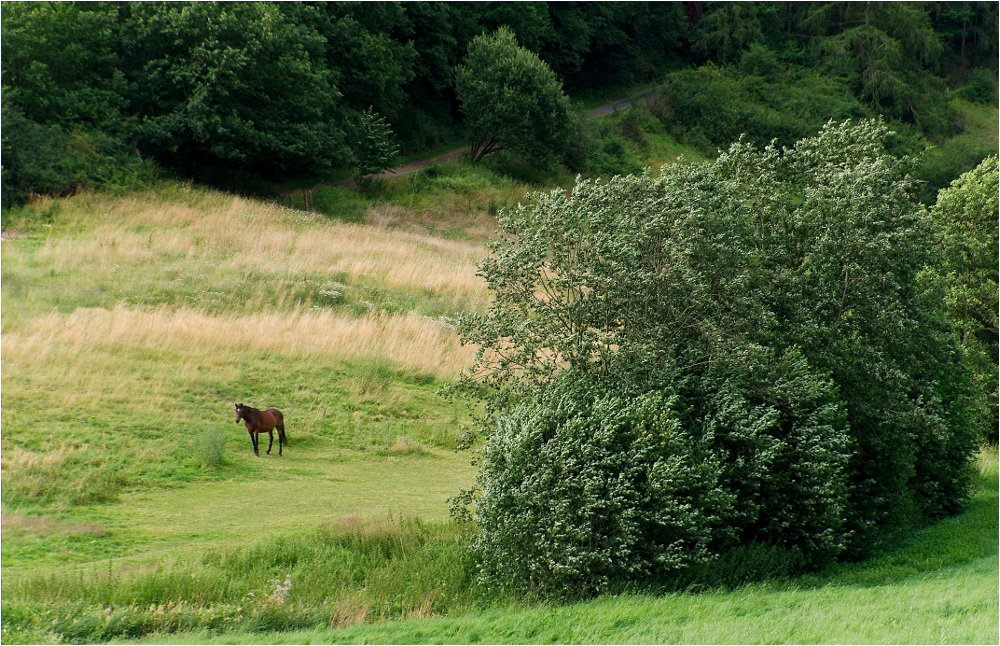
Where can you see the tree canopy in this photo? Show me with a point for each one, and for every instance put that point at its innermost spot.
(238, 93)
(511, 99)
(967, 211)
(232, 85)
(758, 338)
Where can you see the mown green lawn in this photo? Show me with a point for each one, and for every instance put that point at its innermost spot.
(305, 488)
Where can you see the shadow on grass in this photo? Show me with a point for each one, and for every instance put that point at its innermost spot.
(952, 542)
(947, 544)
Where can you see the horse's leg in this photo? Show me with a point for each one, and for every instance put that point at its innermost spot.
(253, 438)
(281, 436)
(270, 441)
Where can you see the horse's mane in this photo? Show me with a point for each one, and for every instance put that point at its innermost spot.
(249, 409)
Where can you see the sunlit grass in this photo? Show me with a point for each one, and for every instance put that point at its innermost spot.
(131, 325)
(334, 575)
(88, 418)
(205, 250)
(410, 340)
(339, 582)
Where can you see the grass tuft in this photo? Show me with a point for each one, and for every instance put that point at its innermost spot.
(210, 447)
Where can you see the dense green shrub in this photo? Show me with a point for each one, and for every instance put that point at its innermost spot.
(980, 87)
(779, 430)
(949, 159)
(581, 488)
(712, 107)
(851, 287)
(584, 486)
(770, 317)
(619, 143)
(233, 88)
(967, 211)
(51, 160)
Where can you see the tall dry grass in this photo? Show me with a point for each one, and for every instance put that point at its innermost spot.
(248, 235)
(410, 340)
(177, 299)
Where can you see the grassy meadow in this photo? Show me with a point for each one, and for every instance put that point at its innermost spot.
(130, 327)
(133, 507)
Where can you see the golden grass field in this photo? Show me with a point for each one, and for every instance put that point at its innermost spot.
(131, 323)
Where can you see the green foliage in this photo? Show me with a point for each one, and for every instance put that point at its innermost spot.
(49, 160)
(967, 211)
(605, 45)
(581, 488)
(728, 28)
(980, 87)
(885, 43)
(62, 64)
(618, 144)
(855, 295)
(62, 98)
(511, 100)
(231, 87)
(949, 158)
(712, 108)
(968, 30)
(373, 147)
(372, 64)
(210, 448)
(245, 95)
(778, 300)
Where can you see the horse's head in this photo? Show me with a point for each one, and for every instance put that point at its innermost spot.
(239, 412)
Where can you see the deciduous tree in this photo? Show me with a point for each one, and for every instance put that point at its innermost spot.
(967, 211)
(759, 339)
(511, 100)
(238, 87)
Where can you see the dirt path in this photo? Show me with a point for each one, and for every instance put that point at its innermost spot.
(608, 108)
(641, 98)
(412, 167)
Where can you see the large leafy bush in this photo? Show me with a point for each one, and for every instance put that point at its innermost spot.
(967, 211)
(582, 487)
(746, 352)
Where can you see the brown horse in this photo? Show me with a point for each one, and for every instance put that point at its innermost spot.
(262, 421)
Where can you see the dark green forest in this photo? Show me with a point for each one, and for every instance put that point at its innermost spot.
(241, 95)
